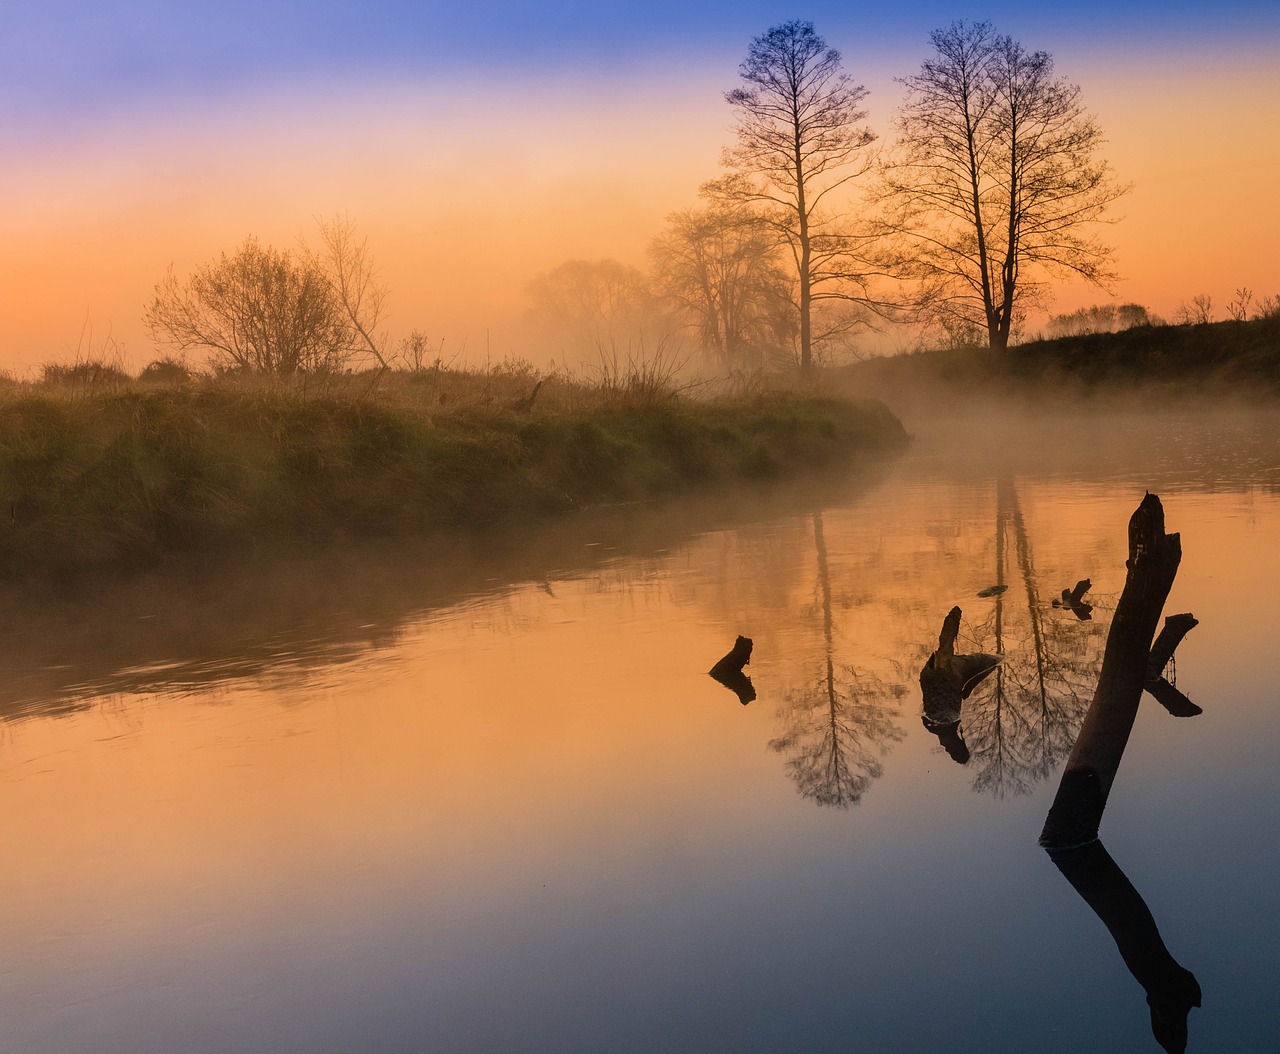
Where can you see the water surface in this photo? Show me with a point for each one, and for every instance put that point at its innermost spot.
(486, 798)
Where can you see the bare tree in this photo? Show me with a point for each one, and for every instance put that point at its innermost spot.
(1238, 309)
(996, 181)
(348, 266)
(719, 266)
(800, 138)
(260, 310)
(1197, 312)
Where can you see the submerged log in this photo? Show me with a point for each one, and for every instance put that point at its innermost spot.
(1091, 768)
(946, 680)
(1130, 665)
(1073, 600)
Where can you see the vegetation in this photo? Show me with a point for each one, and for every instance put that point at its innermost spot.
(996, 177)
(800, 137)
(1240, 358)
(127, 473)
(996, 184)
(269, 311)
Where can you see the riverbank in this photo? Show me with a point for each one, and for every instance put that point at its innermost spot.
(122, 474)
(1172, 363)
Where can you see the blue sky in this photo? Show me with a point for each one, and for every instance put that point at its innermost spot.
(59, 59)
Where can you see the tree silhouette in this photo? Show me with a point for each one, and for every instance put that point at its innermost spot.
(719, 266)
(800, 137)
(995, 178)
(837, 728)
(261, 310)
(588, 307)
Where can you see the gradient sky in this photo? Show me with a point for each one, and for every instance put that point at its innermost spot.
(477, 144)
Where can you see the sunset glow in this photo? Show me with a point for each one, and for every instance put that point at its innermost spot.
(477, 150)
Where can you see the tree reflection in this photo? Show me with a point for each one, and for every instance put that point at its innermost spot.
(838, 727)
(1019, 731)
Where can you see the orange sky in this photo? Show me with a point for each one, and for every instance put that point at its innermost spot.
(467, 190)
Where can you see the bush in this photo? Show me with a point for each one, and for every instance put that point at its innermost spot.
(165, 370)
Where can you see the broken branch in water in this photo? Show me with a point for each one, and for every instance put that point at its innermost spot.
(1073, 600)
(728, 671)
(1163, 691)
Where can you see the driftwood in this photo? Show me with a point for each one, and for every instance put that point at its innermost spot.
(1091, 768)
(946, 680)
(1073, 600)
(1130, 665)
(728, 671)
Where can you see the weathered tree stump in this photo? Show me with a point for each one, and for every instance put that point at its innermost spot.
(1073, 600)
(728, 671)
(1091, 768)
(946, 680)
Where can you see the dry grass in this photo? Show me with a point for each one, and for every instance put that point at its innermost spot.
(100, 469)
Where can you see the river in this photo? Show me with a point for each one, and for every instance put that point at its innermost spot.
(484, 796)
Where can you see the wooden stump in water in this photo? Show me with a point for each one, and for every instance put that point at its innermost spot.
(946, 680)
(728, 671)
(1130, 665)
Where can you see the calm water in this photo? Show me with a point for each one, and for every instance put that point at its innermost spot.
(431, 800)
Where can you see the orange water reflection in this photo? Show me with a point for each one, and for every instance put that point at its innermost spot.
(551, 743)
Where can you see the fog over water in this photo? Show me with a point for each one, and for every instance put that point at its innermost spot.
(483, 796)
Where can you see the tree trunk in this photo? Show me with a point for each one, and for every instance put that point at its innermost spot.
(1091, 769)
(1070, 833)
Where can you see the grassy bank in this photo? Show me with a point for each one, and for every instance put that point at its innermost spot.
(1223, 358)
(121, 473)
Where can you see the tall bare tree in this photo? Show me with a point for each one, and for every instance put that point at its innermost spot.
(347, 264)
(719, 265)
(996, 181)
(800, 138)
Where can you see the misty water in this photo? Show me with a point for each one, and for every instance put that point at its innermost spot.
(484, 797)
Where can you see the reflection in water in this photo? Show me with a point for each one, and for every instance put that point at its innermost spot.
(191, 629)
(1019, 732)
(1172, 990)
(948, 679)
(1070, 832)
(422, 804)
(838, 729)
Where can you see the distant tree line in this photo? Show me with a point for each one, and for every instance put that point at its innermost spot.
(1198, 310)
(994, 184)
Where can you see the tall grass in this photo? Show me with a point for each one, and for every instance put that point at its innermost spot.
(128, 473)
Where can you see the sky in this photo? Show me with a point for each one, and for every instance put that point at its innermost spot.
(478, 144)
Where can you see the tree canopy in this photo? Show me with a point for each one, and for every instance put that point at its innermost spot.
(996, 180)
(800, 138)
